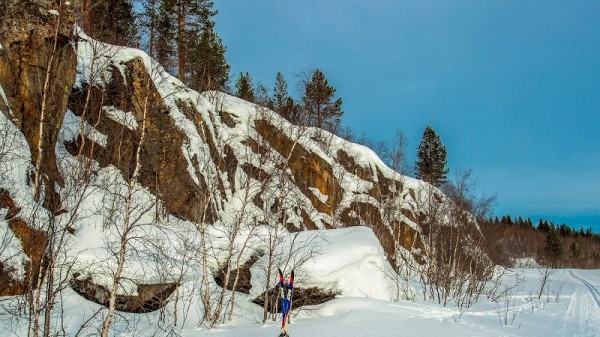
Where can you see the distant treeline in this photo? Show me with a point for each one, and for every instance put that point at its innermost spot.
(544, 225)
(556, 245)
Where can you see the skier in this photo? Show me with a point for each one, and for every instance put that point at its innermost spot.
(287, 288)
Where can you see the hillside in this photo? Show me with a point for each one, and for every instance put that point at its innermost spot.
(132, 205)
(122, 184)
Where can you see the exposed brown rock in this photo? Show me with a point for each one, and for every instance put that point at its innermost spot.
(34, 244)
(227, 119)
(150, 297)
(244, 276)
(9, 286)
(308, 169)
(351, 167)
(37, 70)
(301, 297)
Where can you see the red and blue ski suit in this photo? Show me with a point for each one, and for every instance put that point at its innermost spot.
(287, 288)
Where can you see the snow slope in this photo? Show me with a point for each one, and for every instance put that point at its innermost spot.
(348, 261)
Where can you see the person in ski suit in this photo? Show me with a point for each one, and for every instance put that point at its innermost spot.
(287, 288)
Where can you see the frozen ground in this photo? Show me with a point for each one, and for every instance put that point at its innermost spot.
(577, 313)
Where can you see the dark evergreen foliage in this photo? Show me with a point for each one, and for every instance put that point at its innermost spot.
(262, 96)
(553, 249)
(507, 242)
(280, 93)
(282, 103)
(113, 21)
(181, 37)
(164, 46)
(543, 225)
(209, 69)
(323, 111)
(243, 86)
(431, 165)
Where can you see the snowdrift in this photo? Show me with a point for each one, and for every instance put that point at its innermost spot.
(348, 262)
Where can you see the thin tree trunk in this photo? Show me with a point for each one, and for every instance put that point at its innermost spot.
(45, 88)
(86, 16)
(181, 40)
(117, 278)
(152, 28)
(127, 222)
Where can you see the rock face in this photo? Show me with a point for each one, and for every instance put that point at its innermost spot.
(37, 66)
(163, 168)
(198, 147)
(302, 297)
(37, 70)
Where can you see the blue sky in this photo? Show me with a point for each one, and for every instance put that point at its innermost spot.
(512, 87)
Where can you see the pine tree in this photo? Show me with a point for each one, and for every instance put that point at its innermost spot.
(191, 17)
(553, 249)
(519, 220)
(544, 226)
(243, 86)
(322, 110)
(431, 159)
(156, 20)
(529, 223)
(291, 110)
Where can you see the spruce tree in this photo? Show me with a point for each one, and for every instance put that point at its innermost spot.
(243, 86)
(431, 159)
(181, 37)
(161, 30)
(280, 93)
(191, 18)
(543, 225)
(208, 68)
(282, 102)
(322, 110)
(553, 249)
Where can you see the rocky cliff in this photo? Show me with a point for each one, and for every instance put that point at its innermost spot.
(201, 156)
(211, 146)
(37, 69)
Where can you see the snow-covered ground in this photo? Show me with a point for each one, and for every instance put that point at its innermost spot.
(569, 305)
(575, 313)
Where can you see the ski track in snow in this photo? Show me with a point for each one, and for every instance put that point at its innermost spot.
(593, 290)
(584, 310)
